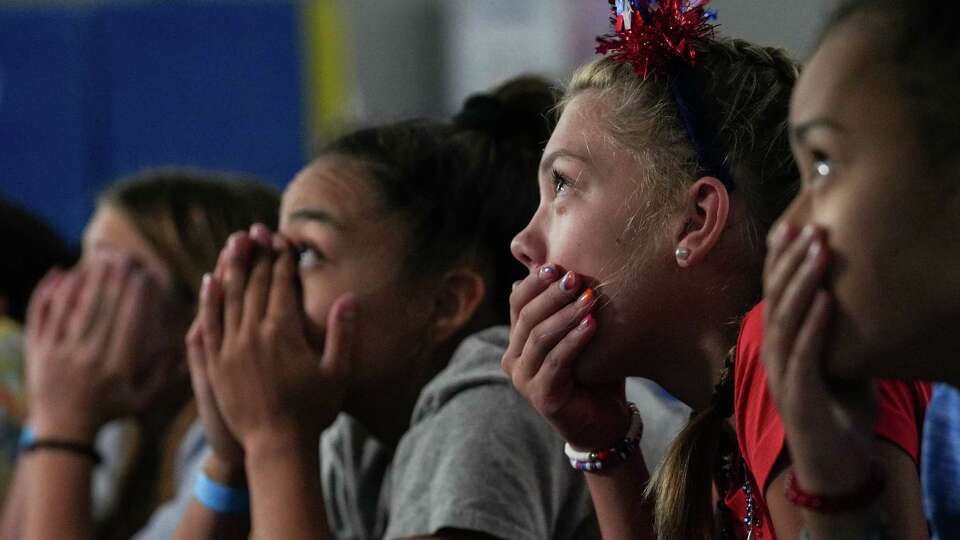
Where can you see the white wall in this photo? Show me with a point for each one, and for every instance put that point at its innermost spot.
(431, 54)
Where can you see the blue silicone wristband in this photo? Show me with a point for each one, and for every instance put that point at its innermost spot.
(220, 498)
(27, 438)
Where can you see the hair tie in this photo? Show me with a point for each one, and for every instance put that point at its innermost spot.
(481, 112)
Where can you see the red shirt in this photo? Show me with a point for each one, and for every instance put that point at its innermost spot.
(900, 410)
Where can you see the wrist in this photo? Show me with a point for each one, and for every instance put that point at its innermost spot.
(73, 427)
(279, 443)
(225, 472)
(832, 473)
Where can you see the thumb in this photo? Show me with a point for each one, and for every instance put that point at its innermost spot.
(338, 345)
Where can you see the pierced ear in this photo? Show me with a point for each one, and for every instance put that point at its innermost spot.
(457, 298)
(707, 209)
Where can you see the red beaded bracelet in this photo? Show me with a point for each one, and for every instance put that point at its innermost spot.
(858, 499)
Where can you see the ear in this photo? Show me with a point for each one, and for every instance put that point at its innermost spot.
(457, 297)
(706, 208)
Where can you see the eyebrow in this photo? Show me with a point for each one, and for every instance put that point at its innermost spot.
(547, 162)
(315, 215)
(799, 132)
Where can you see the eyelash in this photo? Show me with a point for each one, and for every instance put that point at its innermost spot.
(560, 182)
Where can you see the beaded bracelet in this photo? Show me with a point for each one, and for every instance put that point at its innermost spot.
(860, 498)
(621, 451)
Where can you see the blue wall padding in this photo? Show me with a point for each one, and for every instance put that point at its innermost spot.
(91, 95)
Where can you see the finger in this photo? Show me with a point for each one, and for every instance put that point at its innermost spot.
(38, 310)
(557, 369)
(89, 300)
(261, 235)
(548, 334)
(128, 325)
(257, 291)
(234, 282)
(529, 288)
(785, 318)
(805, 373)
(284, 300)
(338, 344)
(779, 239)
(210, 316)
(106, 317)
(64, 299)
(778, 275)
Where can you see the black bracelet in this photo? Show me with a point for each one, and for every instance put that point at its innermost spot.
(83, 449)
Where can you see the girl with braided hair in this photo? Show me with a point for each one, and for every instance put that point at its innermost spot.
(657, 189)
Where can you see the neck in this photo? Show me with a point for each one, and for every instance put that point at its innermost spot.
(385, 409)
(695, 362)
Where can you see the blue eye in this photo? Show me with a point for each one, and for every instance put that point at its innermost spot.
(309, 258)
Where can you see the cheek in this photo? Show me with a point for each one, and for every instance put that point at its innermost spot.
(318, 297)
(596, 248)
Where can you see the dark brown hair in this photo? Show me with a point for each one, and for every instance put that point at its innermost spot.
(465, 187)
(186, 215)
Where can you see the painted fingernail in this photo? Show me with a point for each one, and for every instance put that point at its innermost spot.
(586, 298)
(569, 282)
(585, 323)
(547, 272)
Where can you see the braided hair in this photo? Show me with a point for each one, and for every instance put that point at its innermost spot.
(746, 99)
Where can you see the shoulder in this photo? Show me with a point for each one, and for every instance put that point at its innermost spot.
(475, 363)
(759, 430)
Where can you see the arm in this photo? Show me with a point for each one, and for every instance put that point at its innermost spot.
(83, 333)
(550, 325)
(199, 522)
(899, 505)
(618, 496)
(819, 417)
(275, 392)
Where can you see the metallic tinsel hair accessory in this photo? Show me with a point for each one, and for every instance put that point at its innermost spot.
(652, 35)
(659, 39)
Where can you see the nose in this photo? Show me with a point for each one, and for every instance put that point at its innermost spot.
(528, 248)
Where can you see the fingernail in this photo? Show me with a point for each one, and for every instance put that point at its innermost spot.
(569, 282)
(779, 233)
(547, 272)
(808, 231)
(279, 244)
(516, 284)
(205, 287)
(585, 323)
(586, 298)
(814, 250)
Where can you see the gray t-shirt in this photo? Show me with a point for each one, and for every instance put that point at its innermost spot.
(476, 457)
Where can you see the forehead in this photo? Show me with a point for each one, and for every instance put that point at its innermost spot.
(336, 185)
(111, 231)
(581, 129)
(847, 78)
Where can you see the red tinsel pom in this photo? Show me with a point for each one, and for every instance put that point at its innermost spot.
(659, 35)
